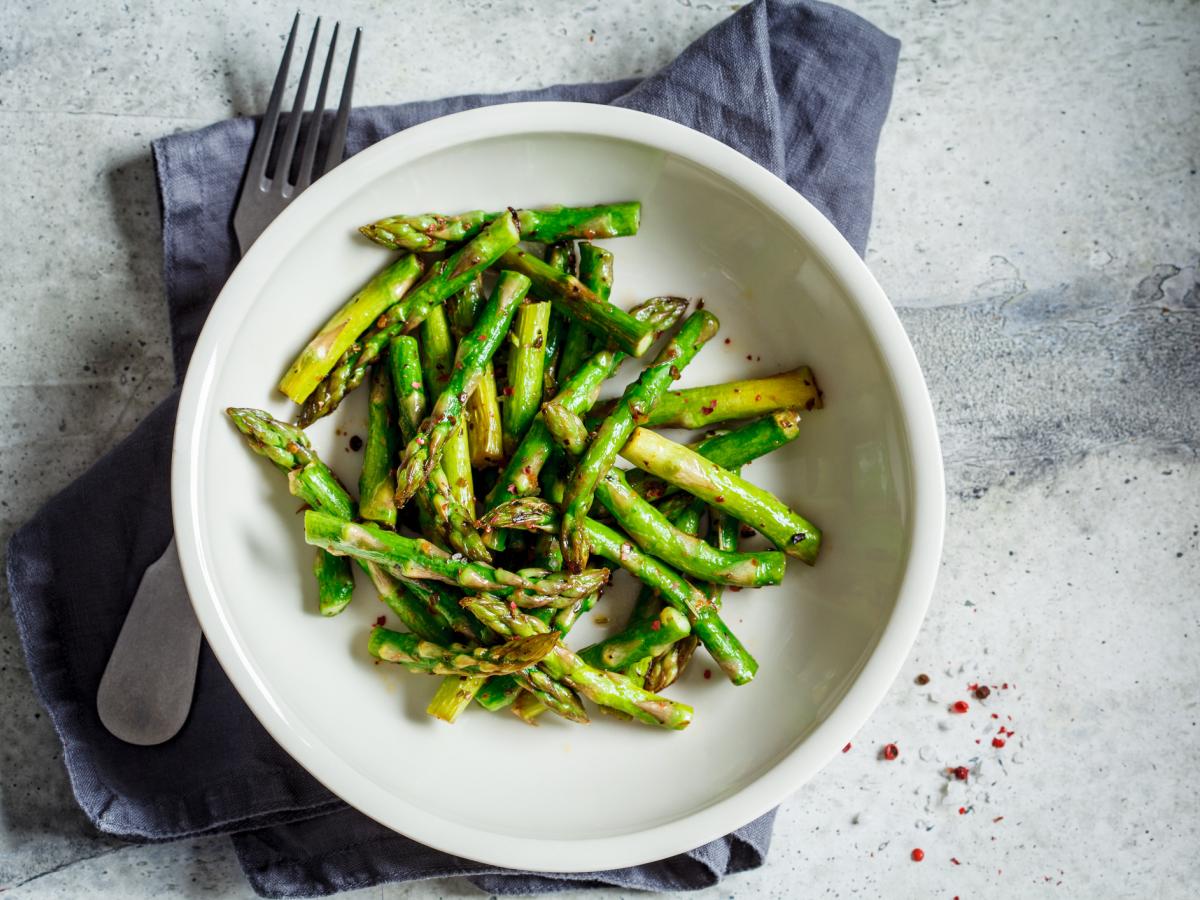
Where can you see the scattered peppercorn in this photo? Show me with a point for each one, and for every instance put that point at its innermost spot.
(846, 749)
(918, 854)
(890, 751)
(961, 772)
(922, 678)
(998, 742)
(982, 692)
(959, 706)
(356, 443)
(707, 674)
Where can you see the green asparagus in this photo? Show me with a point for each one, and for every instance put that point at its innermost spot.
(703, 407)
(424, 451)
(526, 366)
(688, 470)
(627, 647)
(377, 482)
(635, 404)
(417, 655)
(484, 436)
(335, 583)
(443, 279)
(338, 335)
(432, 232)
(568, 294)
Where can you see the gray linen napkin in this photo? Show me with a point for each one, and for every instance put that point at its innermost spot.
(801, 87)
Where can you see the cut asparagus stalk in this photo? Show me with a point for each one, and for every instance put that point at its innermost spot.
(444, 278)
(335, 583)
(702, 407)
(431, 232)
(526, 367)
(453, 695)
(344, 327)
(730, 450)
(484, 435)
(759, 509)
(627, 647)
(610, 323)
(596, 274)
(424, 451)
(376, 481)
(635, 404)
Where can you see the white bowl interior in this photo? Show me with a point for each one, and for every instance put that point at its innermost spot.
(779, 305)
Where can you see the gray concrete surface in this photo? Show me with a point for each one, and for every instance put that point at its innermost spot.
(1038, 225)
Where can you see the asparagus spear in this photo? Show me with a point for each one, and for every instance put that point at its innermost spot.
(431, 231)
(424, 451)
(731, 450)
(520, 475)
(413, 558)
(648, 604)
(438, 510)
(344, 327)
(596, 274)
(562, 257)
(335, 583)
(314, 483)
(376, 482)
(635, 404)
(453, 695)
(633, 644)
(547, 693)
(702, 407)
(484, 436)
(608, 689)
(417, 655)
(759, 509)
(443, 279)
(610, 323)
(677, 591)
(526, 366)
(437, 360)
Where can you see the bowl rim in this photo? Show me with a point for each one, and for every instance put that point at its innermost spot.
(875, 677)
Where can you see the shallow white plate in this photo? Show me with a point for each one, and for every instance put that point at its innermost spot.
(830, 640)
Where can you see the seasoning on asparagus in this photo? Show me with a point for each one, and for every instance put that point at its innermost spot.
(376, 481)
(703, 407)
(596, 274)
(761, 510)
(338, 335)
(526, 365)
(731, 450)
(484, 436)
(453, 695)
(442, 280)
(608, 689)
(431, 232)
(414, 558)
(424, 451)
(627, 647)
(635, 404)
(417, 655)
(610, 323)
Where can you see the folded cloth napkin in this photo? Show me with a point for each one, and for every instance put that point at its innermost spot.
(801, 87)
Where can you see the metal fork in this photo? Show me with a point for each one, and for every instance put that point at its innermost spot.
(146, 691)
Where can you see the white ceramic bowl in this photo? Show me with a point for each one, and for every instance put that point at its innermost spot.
(830, 640)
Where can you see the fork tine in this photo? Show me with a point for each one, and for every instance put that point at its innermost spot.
(290, 135)
(266, 130)
(337, 139)
(313, 132)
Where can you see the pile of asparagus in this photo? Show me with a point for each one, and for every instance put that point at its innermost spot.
(512, 491)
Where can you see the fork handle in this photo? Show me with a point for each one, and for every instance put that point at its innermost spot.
(146, 691)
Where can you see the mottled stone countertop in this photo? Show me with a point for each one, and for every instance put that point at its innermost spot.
(1038, 227)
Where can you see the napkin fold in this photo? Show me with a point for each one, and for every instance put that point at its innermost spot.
(800, 87)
